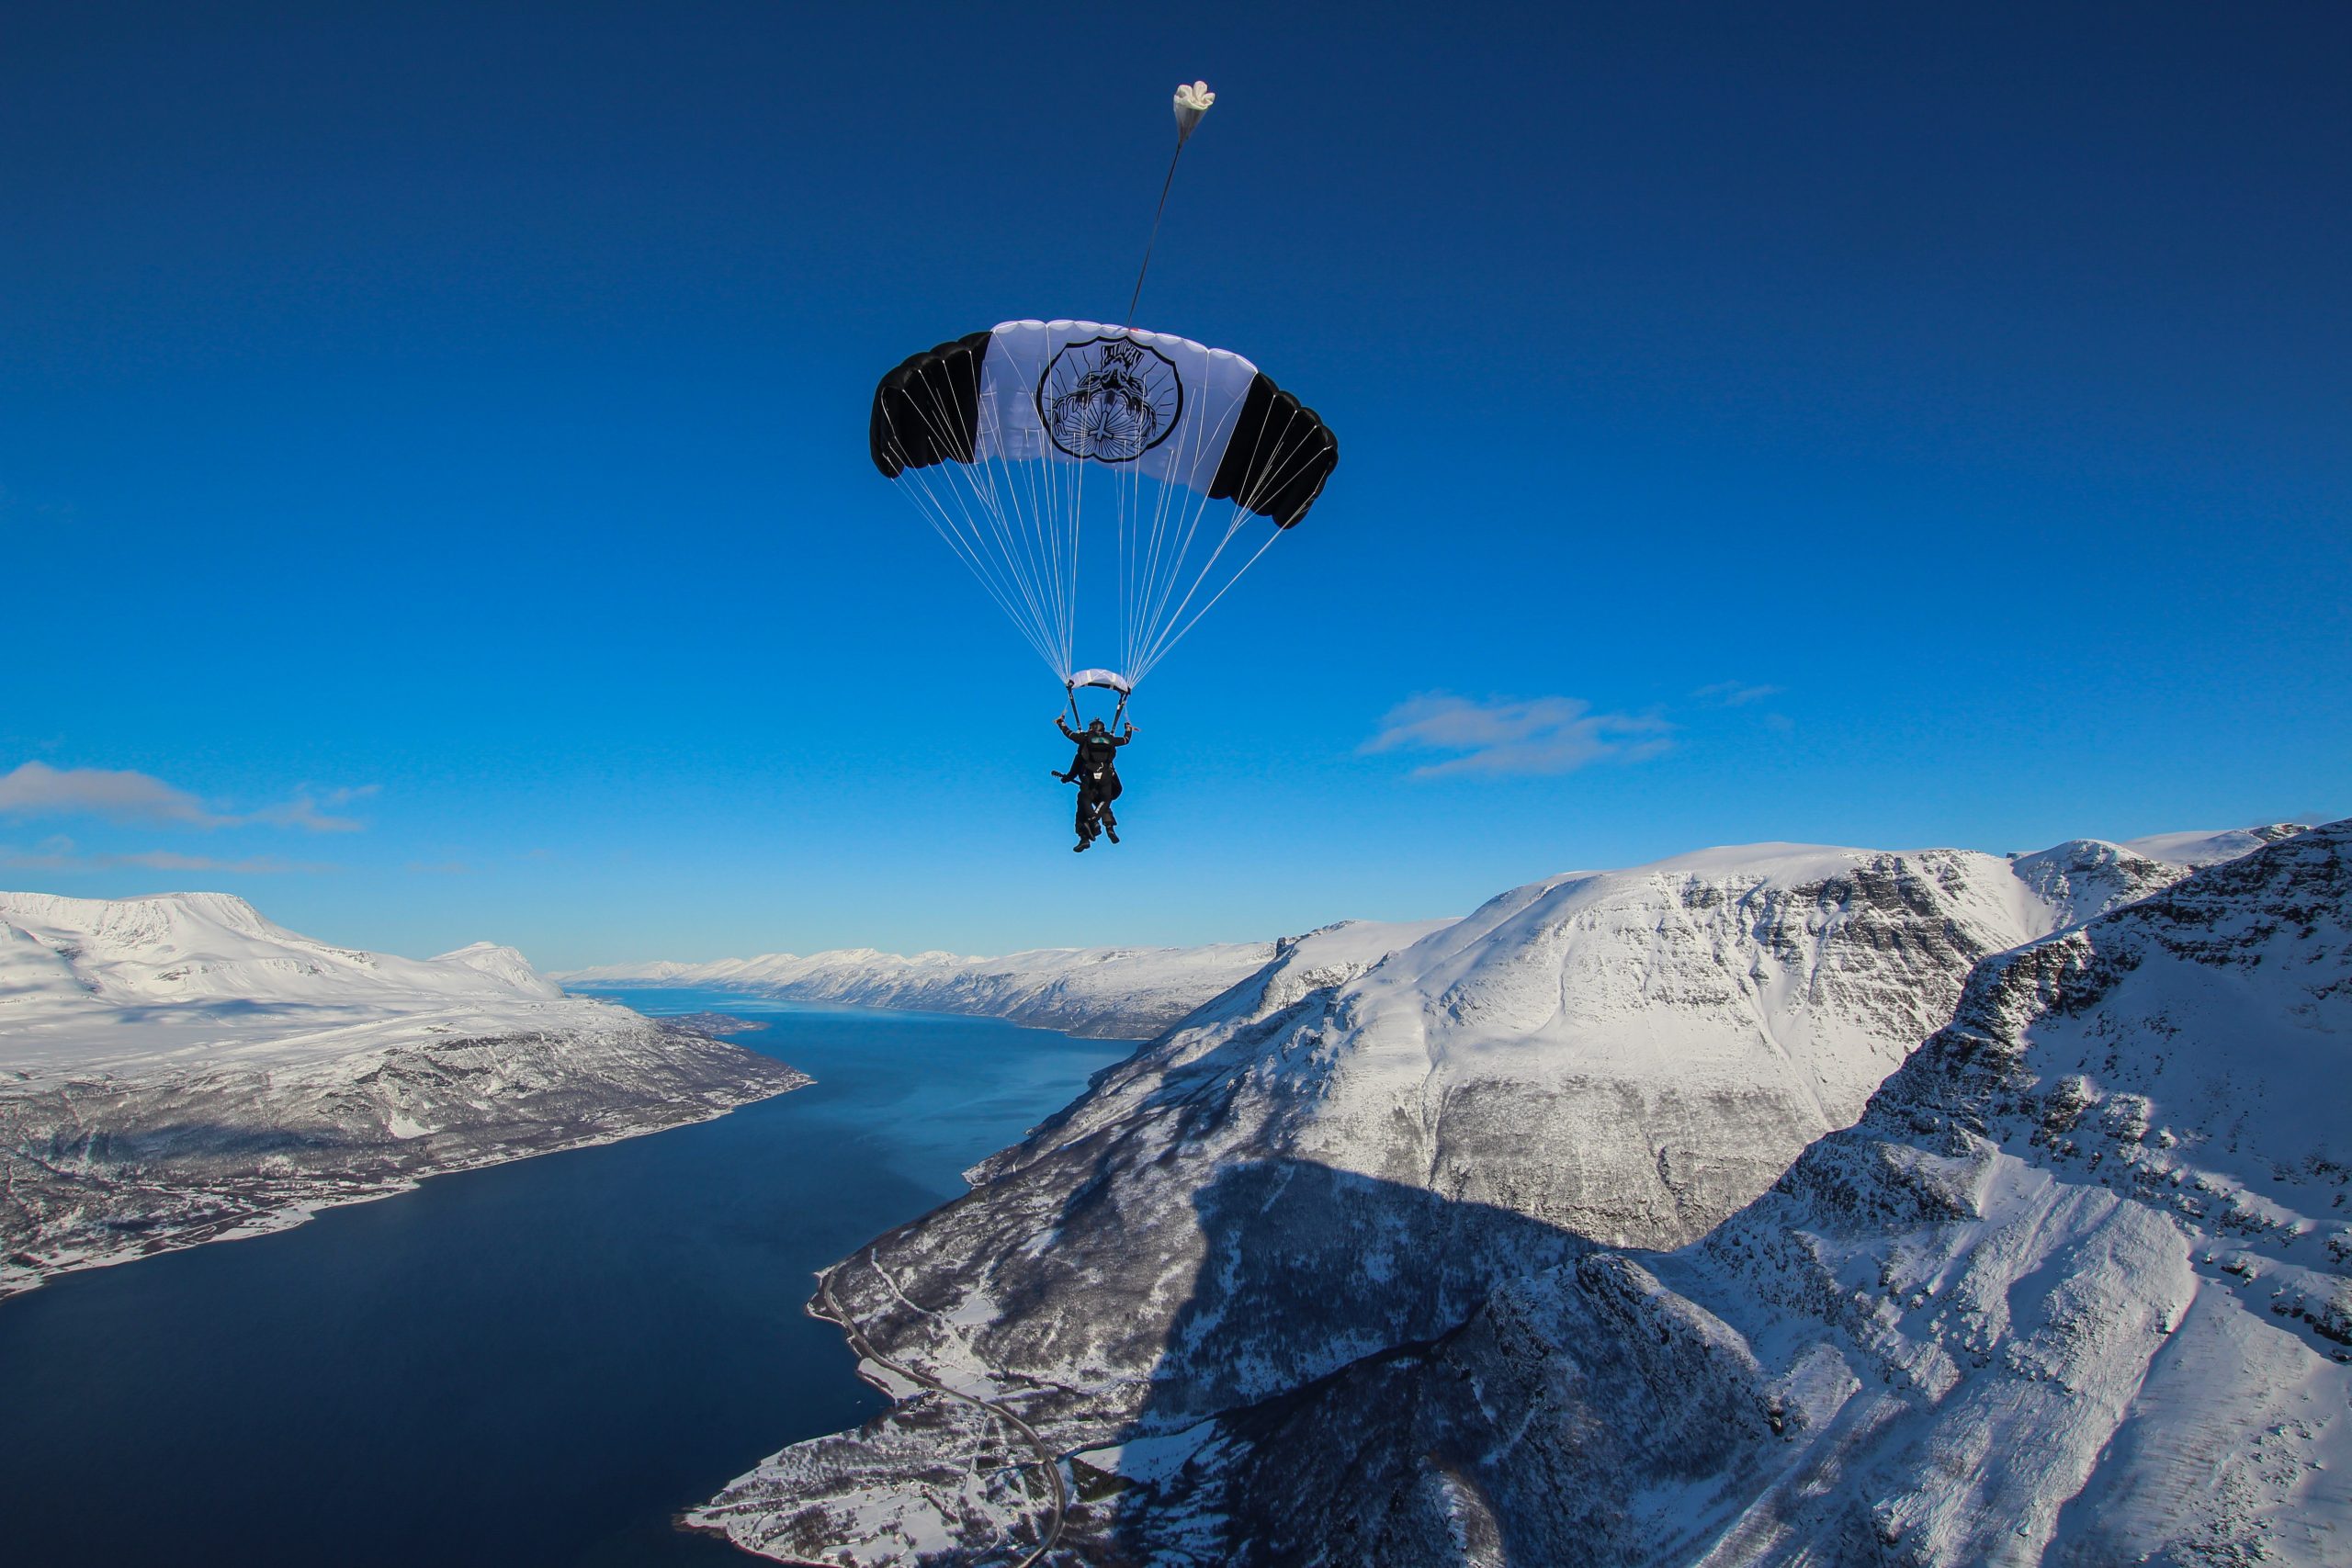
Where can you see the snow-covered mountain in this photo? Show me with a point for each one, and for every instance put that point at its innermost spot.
(96, 985)
(2210, 846)
(1348, 1153)
(1106, 993)
(176, 1069)
(2077, 1290)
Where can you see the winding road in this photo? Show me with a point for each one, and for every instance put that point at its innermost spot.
(1050, 1536)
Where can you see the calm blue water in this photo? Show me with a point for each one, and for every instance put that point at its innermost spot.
(539, 1363)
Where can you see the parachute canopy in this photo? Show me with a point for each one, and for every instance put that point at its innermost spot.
(1027, 444)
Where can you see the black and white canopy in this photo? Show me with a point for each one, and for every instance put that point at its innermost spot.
(1000, 438)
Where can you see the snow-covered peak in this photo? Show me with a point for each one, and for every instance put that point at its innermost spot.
(160, 922)
(501, 964)
(2209, 846)
(2083, 878)
(656, 973)
(115, 984)
(176, 947)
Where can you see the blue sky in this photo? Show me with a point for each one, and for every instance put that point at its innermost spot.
(432, 455)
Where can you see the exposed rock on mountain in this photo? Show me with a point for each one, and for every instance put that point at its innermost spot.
(1349, 1152)
(178, 1069)
(2076, 1290)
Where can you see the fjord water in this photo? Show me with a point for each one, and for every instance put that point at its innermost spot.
(539, 1363)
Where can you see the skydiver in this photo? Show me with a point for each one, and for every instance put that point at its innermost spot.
(1095, 771)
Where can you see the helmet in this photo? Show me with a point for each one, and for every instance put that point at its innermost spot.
(1094, 726)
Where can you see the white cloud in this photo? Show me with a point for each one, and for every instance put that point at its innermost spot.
(303, 812)
(36, 789)
(1547, 735)
(1735, 693)
(59, 856)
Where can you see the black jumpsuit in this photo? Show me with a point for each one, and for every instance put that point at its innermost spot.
(1096, 770)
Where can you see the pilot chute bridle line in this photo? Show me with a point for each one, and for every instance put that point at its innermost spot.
(1192, 101)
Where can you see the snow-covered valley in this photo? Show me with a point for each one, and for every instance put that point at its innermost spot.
(177, 1069)
(1551, 1236)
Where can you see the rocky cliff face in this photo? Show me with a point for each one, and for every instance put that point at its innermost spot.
(1349, 1152)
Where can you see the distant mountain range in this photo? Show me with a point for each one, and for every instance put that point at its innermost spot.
(177, 1068)
(1107, 993)
(1551, 1236)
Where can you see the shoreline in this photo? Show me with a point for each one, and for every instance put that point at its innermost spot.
(20, 1278)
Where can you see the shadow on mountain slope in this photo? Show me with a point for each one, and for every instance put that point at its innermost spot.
(1381, 1445)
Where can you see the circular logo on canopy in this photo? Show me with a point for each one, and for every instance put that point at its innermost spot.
(1110, 399)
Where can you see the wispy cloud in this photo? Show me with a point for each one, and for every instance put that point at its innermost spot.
(36, 789)
(1547, 735)
(59, 856)
(1735, 693)
(303, 812)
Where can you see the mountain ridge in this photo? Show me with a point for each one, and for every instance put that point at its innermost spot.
(1590, 1061)
(1135, 993)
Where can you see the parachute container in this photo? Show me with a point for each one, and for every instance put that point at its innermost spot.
(1037, 446)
